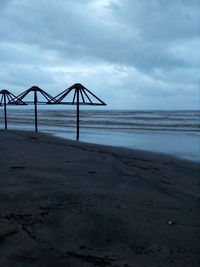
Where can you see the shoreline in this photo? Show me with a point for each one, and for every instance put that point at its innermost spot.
(79, 204)
(159, 153)
(171, 132)
(130, 149)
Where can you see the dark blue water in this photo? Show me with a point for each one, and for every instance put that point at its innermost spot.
(172, 132)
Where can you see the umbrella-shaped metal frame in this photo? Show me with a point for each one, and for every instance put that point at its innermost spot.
(35, 102)
(81, 96)
(7, 98)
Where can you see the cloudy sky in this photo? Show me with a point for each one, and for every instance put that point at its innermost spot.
(134, 54)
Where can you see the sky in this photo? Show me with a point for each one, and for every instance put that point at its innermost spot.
(133, 54)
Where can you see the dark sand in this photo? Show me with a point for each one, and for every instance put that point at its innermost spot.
(66, 203)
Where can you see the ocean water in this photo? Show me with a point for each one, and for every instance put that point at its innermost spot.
(172, 132)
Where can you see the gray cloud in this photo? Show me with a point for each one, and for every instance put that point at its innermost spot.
(140, 48)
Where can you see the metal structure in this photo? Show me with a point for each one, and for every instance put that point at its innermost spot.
(79, 96)
(7, 98)
(35, 90)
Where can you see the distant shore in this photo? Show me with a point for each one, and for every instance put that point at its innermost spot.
(67, 203)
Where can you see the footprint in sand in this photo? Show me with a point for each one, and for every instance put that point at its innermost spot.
(17, 167)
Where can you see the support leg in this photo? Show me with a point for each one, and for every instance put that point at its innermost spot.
(77, 115)
(35, 103)
(5, 113)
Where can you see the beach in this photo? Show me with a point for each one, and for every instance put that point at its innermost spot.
(68, 203)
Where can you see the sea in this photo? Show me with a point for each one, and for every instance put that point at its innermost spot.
(174, 132)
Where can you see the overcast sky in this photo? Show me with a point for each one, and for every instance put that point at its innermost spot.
(134, 54)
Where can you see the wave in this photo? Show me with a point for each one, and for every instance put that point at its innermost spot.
(109, 119)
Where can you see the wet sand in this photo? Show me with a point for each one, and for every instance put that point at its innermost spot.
(67, 203)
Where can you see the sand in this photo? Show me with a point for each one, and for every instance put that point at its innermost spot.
(67, 203)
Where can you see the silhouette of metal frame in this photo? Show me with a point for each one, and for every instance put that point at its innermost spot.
(7, 98)
(81, 96)
(35, 102)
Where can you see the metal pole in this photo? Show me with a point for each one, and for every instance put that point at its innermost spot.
(35, 103)
(77, 115)
(5, 112)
